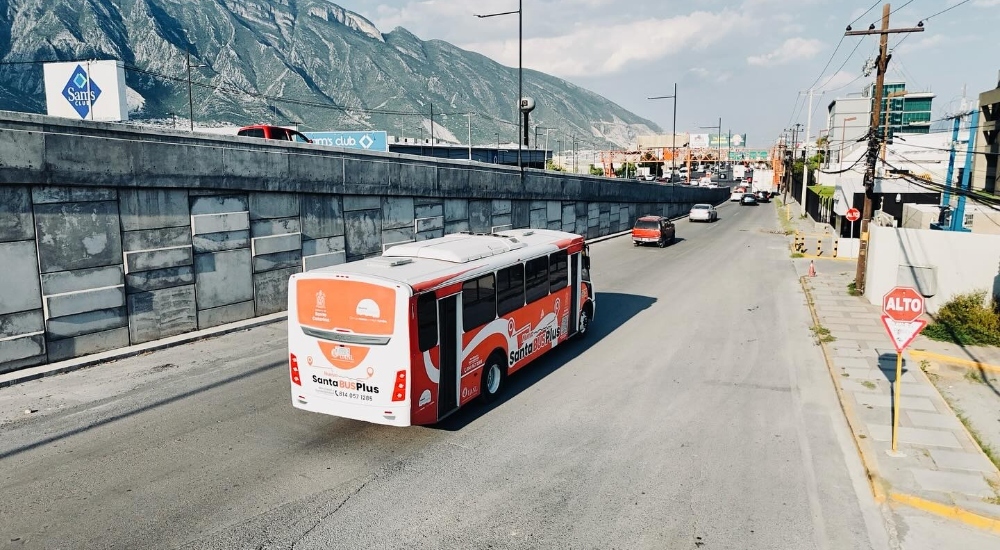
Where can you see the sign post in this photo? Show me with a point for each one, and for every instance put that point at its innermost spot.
(901, 311)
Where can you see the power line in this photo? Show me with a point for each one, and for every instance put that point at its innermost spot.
(946, 10)
(866, 12)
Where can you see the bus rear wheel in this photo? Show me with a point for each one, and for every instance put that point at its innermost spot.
(494, 376)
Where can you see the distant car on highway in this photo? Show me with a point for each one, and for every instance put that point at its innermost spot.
(748, 200)
(736, 195)
(653, 230)
(273, 132)
(763, 196)
(703, 212)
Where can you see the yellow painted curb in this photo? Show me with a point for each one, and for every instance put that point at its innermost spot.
(813, 257)
(991, 525)
(954, 360)
(871, 471)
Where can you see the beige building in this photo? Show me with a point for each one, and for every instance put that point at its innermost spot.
(984, 168)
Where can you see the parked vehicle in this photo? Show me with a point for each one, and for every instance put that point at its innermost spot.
(273, 132)
(653, 229)
(703, 212)
(748, 200)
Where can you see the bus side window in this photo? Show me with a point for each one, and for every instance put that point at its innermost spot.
(479, 302)
(537, 278)
(427, 321)
(510, 289)
(558, 270)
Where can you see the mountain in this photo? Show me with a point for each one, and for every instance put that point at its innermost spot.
(311, 61)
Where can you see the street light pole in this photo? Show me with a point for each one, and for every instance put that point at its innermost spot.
(673, 138)
(520, 70)
(470, 134)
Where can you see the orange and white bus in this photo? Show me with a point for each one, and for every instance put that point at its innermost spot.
(410, 336)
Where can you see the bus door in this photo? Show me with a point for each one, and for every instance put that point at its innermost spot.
(574, 285)
(448, 328)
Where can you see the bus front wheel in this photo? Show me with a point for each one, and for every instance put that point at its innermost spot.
(585, 318)
(494, 376)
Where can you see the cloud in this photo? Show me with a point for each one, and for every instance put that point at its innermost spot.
(837, 81)
(793, 49)
(931, 41)
(711, 76)
(596, 48)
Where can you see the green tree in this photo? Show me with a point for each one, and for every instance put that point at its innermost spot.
(596, 170)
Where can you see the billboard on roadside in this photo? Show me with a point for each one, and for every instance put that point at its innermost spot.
(86, 90)
(366, 141)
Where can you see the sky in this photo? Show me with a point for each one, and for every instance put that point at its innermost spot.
(744, 61)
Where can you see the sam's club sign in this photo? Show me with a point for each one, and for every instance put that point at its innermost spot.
(86, 90)
(366, 141)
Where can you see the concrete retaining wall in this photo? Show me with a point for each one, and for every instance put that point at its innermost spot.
(940, 264)
(112, 236)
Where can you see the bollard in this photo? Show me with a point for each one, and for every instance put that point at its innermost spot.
(819, 246)
(836, 245)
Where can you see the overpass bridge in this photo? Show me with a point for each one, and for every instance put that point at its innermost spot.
(114, 235)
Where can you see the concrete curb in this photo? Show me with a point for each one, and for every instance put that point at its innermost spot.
(62, 367)
(878, 484)
(957, 361)
(51, 369)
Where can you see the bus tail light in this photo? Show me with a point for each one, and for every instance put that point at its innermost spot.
(293, 364)
(399, 389)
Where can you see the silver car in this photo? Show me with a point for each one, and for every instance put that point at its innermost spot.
(703, 213)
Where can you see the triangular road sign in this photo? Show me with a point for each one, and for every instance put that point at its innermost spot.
(902, 333)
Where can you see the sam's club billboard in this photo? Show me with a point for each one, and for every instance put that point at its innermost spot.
(366, 141)
(86, 90)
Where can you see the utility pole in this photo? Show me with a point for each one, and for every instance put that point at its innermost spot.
(190, 98)
(805, 164)
(432, 129)
(874, 137)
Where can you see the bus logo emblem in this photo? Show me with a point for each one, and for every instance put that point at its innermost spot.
(368, 308)
(320, 300)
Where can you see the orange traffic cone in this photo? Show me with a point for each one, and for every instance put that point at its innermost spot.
(812, 269)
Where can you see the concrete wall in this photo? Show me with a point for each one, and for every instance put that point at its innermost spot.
(112, 236)
(951, 262)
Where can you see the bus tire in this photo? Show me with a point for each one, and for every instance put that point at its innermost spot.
(493, 378)
(586, 316)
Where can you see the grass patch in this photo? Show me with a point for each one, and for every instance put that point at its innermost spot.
(786, 223)
(869, 384)
(966, 321)
(995, 485)
(798, 255)
(975, 377)
(822, 334)
(988, 450)
(852, 289)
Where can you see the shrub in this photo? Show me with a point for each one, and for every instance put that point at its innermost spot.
(967, 321)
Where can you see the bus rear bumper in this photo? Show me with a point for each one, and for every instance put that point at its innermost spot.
(394, 415)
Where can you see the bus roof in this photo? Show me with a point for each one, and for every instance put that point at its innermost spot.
(434, 262)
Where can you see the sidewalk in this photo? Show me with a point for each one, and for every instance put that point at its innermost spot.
(944, 488)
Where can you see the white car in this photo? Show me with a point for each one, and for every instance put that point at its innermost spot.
(736, 196)
(703, 213)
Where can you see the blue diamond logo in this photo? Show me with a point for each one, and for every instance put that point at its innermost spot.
(81, 92)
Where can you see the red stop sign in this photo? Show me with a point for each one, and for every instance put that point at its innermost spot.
(853, 215)
(903, 304)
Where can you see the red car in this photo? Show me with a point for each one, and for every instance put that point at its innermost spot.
(653, 229)
(273, 132)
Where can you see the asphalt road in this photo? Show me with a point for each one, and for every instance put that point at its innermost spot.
(697, 414)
